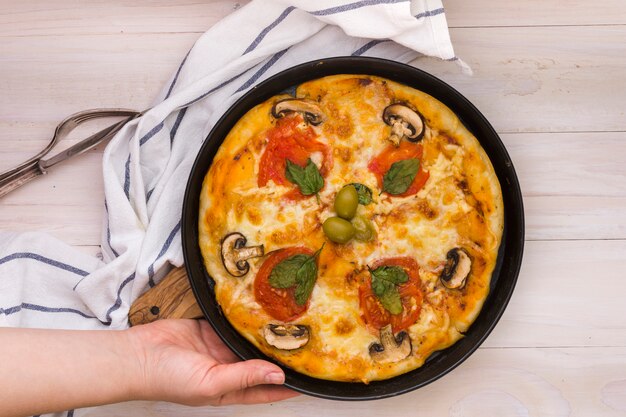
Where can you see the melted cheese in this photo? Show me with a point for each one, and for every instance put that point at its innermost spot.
(459, 206)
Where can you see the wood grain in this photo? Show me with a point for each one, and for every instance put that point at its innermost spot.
(172, 298)
(578, 164)
(119, 70)
(534, 13)
(568, 294)
(541, 79)
(525, 68)
(64, 18)
(31, 18)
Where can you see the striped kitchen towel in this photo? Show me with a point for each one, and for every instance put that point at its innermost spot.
(45, 283)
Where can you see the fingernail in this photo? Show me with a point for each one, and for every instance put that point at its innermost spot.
(275, 378)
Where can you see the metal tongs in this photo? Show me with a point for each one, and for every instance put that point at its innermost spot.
(37, 165)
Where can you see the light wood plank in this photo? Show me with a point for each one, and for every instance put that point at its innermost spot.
(534, 12)
(77, 182)
(492, 382)
(579, 217)
(576, 164)
(526, 79)
(45, 79)
(574, 186)
(40, 17)
(68, 17)
(569, 293)
(75, 225)
(541, 79)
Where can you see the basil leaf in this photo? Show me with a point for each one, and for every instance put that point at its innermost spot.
(314, 179)
(299, 271)
(380, 286)
(391, 300)
(305, 279)
(308, 179)
(294, 172)
(364, 193)
(400, 176)
(384, 285)
(284, 275)
(392, 274)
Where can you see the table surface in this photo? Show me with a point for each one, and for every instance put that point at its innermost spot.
(550, 75)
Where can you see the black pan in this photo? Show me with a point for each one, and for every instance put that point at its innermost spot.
(509, 257)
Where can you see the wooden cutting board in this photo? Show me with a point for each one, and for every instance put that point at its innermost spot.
(172, 298)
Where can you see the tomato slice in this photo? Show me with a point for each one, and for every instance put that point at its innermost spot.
(289, 140)
(407, 150)
(278, 303)
(375, 315)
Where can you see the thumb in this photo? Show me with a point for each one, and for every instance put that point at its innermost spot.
(241, 375)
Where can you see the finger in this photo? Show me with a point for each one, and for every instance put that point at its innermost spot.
(238, 376)
(260, 394)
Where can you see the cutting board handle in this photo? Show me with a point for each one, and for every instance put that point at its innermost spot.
(172, 298)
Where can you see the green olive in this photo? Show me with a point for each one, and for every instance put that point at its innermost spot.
(346, 202)
(338, 230)
(364, 229)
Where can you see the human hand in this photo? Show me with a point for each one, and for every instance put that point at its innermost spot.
(185, 362)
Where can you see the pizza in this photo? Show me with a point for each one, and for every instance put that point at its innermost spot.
(351, 228)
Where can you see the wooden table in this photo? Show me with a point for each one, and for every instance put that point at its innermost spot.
(551, 77)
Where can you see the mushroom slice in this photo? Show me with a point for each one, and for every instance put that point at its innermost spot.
(286, 336)
(310, 110)
(235, 254)
(405, 123)
(457, 269)
(391, 348)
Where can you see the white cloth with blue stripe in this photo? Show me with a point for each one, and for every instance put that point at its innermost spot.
(45, 283)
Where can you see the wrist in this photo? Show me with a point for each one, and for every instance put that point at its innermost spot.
(137, 364)
(118, 368)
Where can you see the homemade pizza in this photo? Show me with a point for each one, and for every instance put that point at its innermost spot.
(351, 228)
